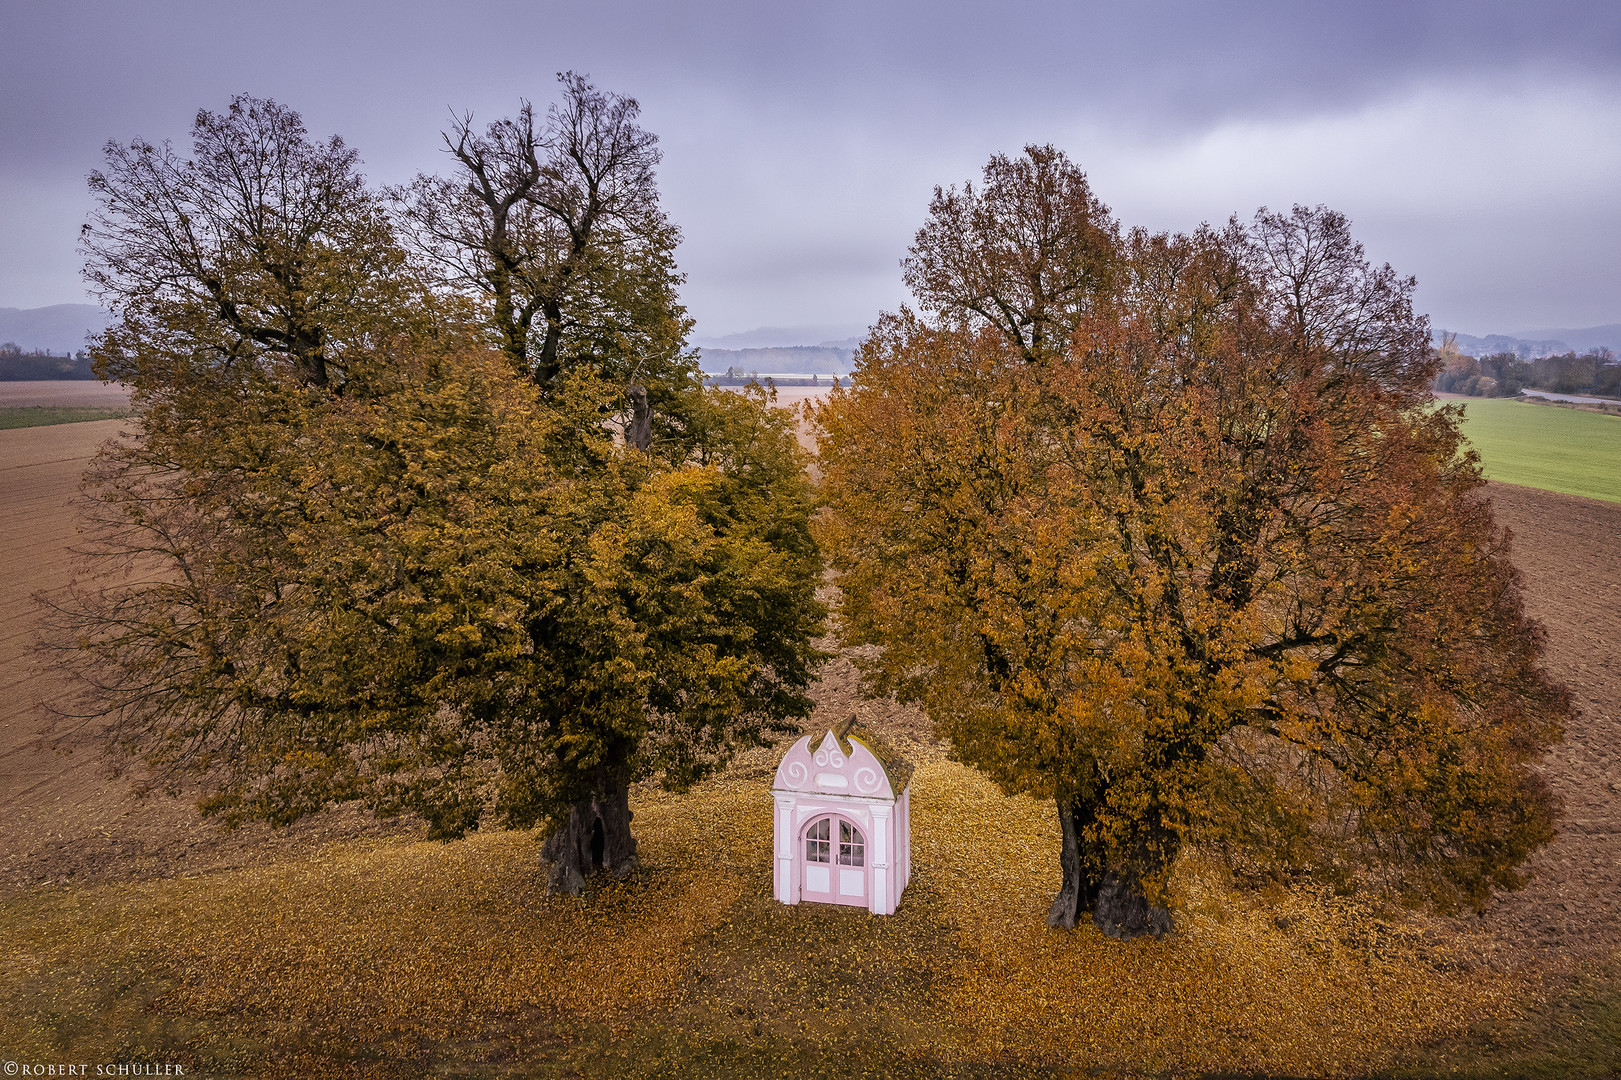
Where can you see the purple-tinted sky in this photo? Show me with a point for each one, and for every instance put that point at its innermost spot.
(1474, 144)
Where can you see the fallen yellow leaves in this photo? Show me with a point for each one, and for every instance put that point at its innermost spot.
(432, 935)
(1303, 984)
(371, 944)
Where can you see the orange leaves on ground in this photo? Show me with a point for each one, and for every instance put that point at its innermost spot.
(430, 937)
(1296, 984)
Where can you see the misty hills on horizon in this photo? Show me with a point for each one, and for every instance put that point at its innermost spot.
(1592, 337)
(63, 328)
(783, 337)
(1530, 344)
(836, 357)
(791, 359)
(59, 328)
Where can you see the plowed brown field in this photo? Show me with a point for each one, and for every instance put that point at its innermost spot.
(62, 819)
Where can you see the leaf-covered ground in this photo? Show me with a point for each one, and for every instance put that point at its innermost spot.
(400, 957)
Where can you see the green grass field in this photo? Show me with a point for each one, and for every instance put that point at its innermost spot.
(1543, 446)
(43, 415)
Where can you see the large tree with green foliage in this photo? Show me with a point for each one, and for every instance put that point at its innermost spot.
(555, 231)
(352, 552)
(1208, 569)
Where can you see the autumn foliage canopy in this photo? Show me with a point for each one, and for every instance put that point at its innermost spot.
(1169, 529)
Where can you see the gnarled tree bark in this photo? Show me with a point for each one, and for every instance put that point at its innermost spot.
(1119, 907)
(1079, 891)
(640, 432)
(595, 837)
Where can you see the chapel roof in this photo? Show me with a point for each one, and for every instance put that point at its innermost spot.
(896, 768)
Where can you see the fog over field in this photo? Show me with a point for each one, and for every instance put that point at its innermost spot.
(804, 359)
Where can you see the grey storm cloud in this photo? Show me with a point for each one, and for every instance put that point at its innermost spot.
(1474, 144)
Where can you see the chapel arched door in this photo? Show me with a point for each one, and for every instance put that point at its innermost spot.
(835, 862)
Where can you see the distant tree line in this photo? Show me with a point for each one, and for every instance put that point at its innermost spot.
(736, 376)
(823, 360)
(1505, 374)
(19, 366)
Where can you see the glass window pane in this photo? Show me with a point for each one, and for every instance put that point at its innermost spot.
(853, 854)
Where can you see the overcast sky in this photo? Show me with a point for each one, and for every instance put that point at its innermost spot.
(1475, 145)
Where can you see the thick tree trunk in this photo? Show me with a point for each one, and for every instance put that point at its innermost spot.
(547, 365)
(1080, 888)
(1119, 907)
(640, 432)
(509, 318)
(595, 837)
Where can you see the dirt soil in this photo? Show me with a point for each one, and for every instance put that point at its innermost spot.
(1568, 550)
(63, 393)
(64, 819)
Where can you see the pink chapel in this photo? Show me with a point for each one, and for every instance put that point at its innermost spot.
(843, 821)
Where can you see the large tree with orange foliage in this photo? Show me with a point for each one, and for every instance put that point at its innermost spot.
(1208, 567)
